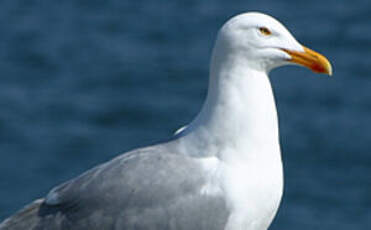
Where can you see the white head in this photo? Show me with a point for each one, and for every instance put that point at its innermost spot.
(264, 43)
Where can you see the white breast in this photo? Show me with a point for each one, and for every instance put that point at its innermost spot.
(253, 190)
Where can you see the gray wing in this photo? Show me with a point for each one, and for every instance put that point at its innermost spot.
(148, 188)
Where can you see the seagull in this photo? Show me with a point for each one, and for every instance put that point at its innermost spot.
(223, 171)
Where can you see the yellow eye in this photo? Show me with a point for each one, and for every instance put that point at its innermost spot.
(265, 31)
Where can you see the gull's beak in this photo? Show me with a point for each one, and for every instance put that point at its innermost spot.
(310, 59)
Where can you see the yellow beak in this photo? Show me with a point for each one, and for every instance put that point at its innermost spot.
(310, 59)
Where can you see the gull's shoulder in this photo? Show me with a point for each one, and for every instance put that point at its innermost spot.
(134, 170)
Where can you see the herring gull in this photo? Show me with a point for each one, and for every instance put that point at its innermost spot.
(222, 171)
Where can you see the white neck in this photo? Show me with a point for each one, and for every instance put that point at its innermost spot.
(239, 111)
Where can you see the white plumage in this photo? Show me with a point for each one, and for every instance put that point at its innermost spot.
(223, 171)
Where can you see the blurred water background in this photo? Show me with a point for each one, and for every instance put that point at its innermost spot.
(82, 81)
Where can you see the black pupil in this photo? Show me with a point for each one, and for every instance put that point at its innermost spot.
(265, 30)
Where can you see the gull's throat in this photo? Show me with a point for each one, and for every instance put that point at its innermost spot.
(239, 112)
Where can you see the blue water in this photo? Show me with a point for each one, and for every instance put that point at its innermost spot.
(82, 81)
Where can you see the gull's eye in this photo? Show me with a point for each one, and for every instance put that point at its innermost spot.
(265, 31)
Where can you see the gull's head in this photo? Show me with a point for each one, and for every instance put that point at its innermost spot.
(264, 43)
